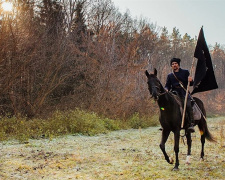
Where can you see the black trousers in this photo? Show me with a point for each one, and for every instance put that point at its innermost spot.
(189, 110)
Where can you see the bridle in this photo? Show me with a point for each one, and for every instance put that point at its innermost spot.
(158, 93)
(155, 87)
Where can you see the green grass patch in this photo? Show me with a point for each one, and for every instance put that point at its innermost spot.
(70, 122)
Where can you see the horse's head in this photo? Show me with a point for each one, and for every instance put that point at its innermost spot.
(154, 86)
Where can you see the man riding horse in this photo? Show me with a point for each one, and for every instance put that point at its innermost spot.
(177, 82)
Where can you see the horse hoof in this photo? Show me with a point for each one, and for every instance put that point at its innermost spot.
(188, 160)
(171, 161)
(201, 159)
(175, 169)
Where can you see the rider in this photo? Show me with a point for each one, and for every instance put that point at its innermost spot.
(177, 81)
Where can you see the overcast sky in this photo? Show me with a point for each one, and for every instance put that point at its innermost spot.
(186, 15)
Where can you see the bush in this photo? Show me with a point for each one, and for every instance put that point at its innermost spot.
(136, 121)
(70, 122)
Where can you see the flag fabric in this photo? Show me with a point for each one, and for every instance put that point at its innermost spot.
(204, 79)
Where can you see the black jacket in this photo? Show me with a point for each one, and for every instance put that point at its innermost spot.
(173, 84)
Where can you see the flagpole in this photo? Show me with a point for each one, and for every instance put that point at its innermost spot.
(186, 96)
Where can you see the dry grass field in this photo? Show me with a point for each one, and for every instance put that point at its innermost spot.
(127, 154)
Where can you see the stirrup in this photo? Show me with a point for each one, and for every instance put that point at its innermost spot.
(191, 129)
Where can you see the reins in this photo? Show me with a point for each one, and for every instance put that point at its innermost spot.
(160, 94)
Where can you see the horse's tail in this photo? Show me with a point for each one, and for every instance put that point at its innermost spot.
(208, 135)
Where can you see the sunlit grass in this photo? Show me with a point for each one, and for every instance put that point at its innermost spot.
(122, 154)
(125, 154)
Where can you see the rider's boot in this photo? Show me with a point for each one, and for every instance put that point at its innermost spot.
(191, 120)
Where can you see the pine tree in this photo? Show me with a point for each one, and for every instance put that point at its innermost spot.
(52, 17)
(79, 28)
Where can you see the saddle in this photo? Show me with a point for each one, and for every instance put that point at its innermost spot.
(196, 111)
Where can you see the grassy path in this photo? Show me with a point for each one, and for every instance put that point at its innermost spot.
(127, 154)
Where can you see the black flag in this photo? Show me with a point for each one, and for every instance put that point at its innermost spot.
(204, 75)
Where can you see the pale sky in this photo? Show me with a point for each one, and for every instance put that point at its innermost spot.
(186, 15)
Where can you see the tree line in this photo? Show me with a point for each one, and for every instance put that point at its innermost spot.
(66, 54)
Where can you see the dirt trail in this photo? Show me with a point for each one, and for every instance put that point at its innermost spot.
(127, 154)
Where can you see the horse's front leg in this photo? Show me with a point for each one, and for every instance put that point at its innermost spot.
(176, 148)
(189, 142)
(165, 135)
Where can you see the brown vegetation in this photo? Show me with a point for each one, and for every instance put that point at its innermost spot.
(69, 53)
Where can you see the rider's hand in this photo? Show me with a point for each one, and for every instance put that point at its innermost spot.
(190, 79)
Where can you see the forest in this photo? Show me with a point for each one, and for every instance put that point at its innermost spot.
(86, 54)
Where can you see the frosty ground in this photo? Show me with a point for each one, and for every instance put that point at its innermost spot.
(127, 154)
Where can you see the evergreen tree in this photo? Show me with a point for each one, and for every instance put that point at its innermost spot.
(52, 17)
(79, 29)
(176, 43)
(218, 57)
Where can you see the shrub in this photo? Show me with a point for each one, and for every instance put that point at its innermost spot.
(136, 121)
(70, 122)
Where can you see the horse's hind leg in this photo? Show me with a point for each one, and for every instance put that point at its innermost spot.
(203, 143)
(202, 126)
(165, 135)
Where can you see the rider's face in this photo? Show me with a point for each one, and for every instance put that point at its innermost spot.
(175, 66)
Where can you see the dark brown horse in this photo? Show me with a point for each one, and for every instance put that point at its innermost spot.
(170, 119)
